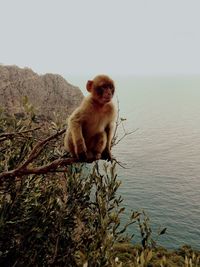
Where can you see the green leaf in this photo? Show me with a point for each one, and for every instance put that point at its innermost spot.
(163, 231)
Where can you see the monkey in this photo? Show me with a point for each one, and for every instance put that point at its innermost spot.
(90, 127)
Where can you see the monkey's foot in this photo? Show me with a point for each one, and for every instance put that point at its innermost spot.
(98, 156)
(82, 156)
(106, 155)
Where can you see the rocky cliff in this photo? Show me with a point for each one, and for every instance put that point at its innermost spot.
(49, 93)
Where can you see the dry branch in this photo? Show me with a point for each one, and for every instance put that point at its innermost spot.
(54, 166)
(5, 136)
(24, 170)
(39, 147)
(51, 167)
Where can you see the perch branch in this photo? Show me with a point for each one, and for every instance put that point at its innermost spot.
(51, 167)
(23, 169)
(39, 147)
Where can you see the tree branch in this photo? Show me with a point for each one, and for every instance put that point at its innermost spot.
(124, 135)
(51, 167)
(5, 136)
(39, 147)
(55, 165)
(23, 169)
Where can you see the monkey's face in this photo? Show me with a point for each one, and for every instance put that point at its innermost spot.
(104, 92)
(102, 89)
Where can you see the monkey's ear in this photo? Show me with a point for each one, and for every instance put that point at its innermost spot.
(89, 85)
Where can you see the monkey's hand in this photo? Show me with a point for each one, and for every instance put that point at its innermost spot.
(106, 155)
(81, 150)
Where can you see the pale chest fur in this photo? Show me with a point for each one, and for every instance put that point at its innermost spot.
(99, 119)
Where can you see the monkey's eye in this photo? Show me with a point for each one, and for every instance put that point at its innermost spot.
(104, 86)
(109, 85)
(99, 90)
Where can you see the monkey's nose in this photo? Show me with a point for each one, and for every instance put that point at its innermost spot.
(108, 92)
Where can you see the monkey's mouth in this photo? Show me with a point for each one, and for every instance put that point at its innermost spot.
(107, 99)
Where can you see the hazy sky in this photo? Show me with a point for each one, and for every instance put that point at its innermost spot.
(106, 36)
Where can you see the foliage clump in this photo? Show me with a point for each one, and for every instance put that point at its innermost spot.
(55, 213)
(66, 216)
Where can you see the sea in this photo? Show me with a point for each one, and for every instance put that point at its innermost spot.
(160, 154)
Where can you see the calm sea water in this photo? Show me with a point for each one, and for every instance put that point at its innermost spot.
(162, 158)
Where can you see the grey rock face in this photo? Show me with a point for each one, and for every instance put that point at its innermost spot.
(49, 93)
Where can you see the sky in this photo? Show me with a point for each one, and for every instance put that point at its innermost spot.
(88, 37)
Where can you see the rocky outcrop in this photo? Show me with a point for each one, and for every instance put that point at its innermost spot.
(49, 93)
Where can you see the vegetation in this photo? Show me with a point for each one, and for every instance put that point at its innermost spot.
(55, 212)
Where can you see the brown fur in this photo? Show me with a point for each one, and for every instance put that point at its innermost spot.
(90, 127)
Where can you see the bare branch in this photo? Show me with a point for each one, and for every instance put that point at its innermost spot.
(51, 167)
(39, 147)
(5, 136)
(117, 121)
(119, 163)
(124, 135)
(22, 170)
(57, 165)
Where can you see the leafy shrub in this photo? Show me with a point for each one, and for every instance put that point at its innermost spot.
(55, 213)
(61, 217)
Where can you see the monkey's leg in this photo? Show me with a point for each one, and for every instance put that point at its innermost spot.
(98, 144)
(107, 152)
(68, 144)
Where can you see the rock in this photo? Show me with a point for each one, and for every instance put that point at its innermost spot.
(49, 93)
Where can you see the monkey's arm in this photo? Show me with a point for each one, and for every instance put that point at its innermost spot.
(75, 126)
(109, 131)
(107, 152)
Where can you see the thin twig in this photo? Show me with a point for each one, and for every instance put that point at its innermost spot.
(117, 120)
(119, 163)
(5, 136)
(8, 135)
(124, 135)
